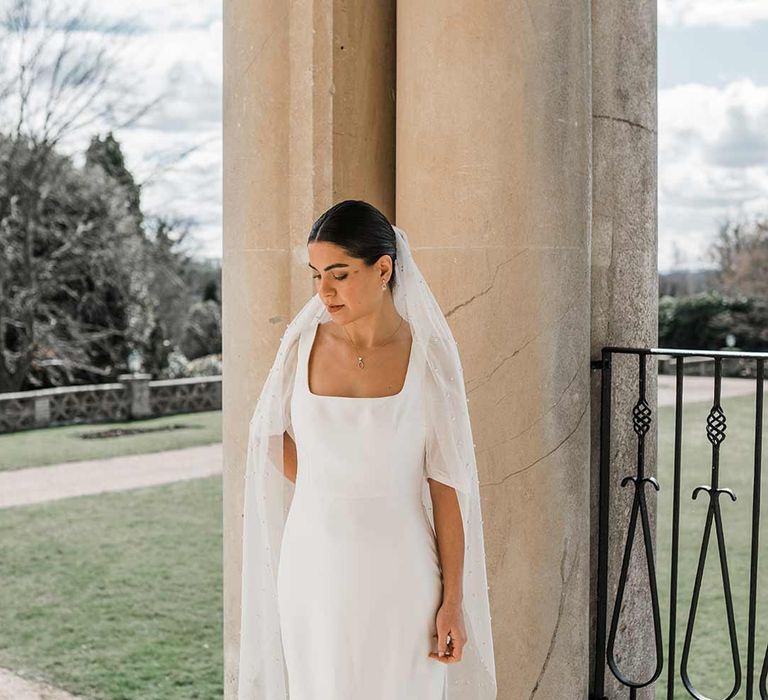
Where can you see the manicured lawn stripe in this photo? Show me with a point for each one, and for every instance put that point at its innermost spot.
(118, 595)
(34, 448)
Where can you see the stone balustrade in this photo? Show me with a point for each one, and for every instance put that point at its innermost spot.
(132, 396)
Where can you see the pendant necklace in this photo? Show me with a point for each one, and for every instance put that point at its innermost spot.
(360, 362)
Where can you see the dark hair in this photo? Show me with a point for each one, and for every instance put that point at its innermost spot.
(360, 229)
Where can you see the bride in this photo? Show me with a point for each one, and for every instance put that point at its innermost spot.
(363, 571)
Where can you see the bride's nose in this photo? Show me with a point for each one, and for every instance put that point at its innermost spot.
(326, 289)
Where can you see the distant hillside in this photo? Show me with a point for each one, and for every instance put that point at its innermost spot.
(681, 283)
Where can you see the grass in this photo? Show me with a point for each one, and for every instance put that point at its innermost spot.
(117, 596)
(710, 664)
(32, 448)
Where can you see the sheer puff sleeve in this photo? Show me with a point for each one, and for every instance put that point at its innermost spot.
(434, 460)
(449, 457)
(444, 461)
(288, 383)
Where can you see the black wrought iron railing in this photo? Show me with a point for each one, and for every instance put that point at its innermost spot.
(645, 487)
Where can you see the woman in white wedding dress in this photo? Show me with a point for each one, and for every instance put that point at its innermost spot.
(359, 579)
(369, 577)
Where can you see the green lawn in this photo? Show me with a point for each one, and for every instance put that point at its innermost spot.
(117, 596)
(710, 665)
(32, 448)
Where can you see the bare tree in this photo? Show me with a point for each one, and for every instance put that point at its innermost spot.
(741, 253)
(58, 76)
(75, 276)
(72, 274)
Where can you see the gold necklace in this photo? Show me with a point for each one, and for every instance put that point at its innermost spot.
(360, 362)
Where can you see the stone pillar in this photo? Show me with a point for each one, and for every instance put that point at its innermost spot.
(493, 184)
(493, 187)
(137, 388)
(308, 121)
(42, 411)
(625, 301)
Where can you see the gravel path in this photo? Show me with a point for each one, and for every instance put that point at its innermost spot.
(701, 388)
(13, 687)
(40, 484)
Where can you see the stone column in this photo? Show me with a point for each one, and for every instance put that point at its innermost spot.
(625, 301)
(42, 411)
(137, 388)
(308, 121)
(493, 187)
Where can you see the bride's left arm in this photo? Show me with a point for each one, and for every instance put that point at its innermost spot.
(449, 529)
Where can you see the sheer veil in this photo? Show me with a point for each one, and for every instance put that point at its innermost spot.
(450, 458)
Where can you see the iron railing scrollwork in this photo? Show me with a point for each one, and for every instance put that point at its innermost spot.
(642, 420)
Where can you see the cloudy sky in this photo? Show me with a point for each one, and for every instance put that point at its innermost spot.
(713, 115)
(713, 121)
(170, 50)
(176, 48)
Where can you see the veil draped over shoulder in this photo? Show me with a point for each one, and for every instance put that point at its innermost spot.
(450, 458)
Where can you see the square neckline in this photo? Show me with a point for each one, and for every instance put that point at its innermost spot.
(311, 343)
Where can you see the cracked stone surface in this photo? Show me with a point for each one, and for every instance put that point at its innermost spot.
(624, 292)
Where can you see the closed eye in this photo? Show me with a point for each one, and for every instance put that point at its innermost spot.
(317, 277)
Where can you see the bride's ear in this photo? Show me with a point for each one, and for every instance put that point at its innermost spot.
(385, 267)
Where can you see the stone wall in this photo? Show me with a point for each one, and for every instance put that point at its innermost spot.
(133, 396)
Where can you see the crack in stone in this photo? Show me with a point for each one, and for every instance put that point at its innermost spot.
(564, 585)
(623, 121)
(559, 398)
(544, 456)
(273, 30)
(490, 448)
(488, 288)
(496, 367)
(503, 360)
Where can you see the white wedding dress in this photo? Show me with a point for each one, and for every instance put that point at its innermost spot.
(359, 580)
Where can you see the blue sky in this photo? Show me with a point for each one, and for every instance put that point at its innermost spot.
(713, 115)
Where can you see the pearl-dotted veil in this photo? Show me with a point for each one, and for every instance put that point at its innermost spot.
(450, 458)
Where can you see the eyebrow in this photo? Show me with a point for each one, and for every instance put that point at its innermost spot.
(329, 267)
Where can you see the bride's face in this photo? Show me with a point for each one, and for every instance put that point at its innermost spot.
(346, 282)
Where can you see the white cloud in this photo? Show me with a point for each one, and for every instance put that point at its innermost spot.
(713, 163)
(720, 13)
(151, 16)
